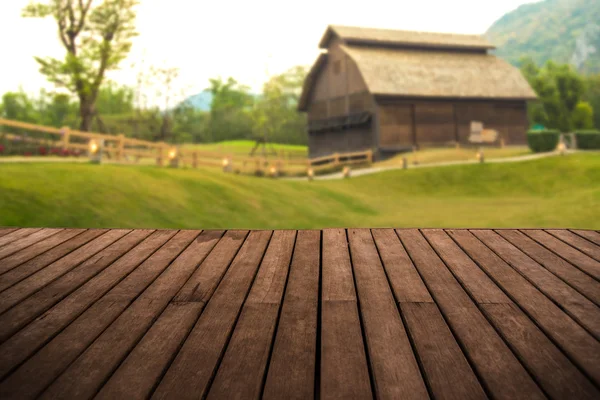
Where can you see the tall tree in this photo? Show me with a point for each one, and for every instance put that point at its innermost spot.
(229, 111)
(560, 90)
(275, 114)
(96, 39)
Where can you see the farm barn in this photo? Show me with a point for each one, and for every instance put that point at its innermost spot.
(389, 90)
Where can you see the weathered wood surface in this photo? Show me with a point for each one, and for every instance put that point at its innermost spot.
(332, 314)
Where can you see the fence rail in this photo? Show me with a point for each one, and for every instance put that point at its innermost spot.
(121, 149)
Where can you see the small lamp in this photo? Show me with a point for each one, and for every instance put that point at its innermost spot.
(273, 171)
(226, 165)
(562, 148)
(95, 151)
(346, 172)
(174, 160)
(311, 174)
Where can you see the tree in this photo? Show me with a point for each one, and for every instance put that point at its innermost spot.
(583, 116)
(592, 96)
(275, 114)
(560, 90)
(96, 40)
(230, 110)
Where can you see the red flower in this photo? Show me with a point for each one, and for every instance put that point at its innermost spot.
(42, 150)
(1, 148)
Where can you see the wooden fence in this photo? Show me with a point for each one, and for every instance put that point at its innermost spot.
(121, 149)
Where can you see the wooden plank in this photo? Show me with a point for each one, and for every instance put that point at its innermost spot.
(555, 373)
(27, 310)
(190, 373)
(241, 372)
(201, 285)
(446, 369)
(27, 241)
(291, 372)
(568, 299)
(579, 345)
(499, 371)
(592, 236)
(139, 374)
(6, 231)
(574, 256)
(406, 283)
(21, 345)
(344, 370)
(85, 376)
(39, 371)
(581, 281)
(394, 367)
(16, 235)
(36, 249)
(481, 288)
(33, 283)
(581, 244)
(19, 267)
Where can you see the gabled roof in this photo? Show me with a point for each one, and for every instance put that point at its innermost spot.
(310, 81)
(422, 73)
(373, 36)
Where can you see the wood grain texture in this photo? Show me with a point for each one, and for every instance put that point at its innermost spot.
(582, 347)
(190, 374)
(578, 279)
(581, 244)
(344, 370)
(396, 373)
(574, 256)
(332, 314)
(501, 373)
(592, 236)
(291, 371)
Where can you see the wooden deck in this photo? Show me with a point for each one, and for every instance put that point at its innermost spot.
(332, 314)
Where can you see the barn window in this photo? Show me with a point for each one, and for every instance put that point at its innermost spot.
(337, 67)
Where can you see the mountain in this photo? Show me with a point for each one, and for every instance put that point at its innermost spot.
(200, 101)
(566, 31)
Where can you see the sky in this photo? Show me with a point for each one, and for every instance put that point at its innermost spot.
(248, 40)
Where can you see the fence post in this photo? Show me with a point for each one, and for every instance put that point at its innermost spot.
(336, 159)
(121, 147)
(195, 159)
(370, 155)
(66, 137)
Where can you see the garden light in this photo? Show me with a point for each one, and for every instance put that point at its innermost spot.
(346, 172)
(225, 162)
(172, 154)
(273, 171)
(93, 146)
(311, 174)
(562, 147)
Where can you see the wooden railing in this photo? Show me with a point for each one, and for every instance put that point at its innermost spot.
(121, 149)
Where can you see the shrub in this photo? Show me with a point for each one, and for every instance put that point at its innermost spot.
(543, 140)
(588, 140)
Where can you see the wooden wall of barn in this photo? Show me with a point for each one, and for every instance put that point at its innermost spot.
(404, 123)
(339, 88)
(349, 140)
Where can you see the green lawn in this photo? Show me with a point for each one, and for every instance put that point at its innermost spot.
(551, 192)
(243, 147)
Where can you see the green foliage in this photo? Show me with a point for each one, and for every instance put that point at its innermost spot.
(542, 141)
(588, 140)
(560, 90)
(566, 31)
(230, 110)
(275, 114)
(592, 96)
(96, 40)
(583, 116)
(524, 194)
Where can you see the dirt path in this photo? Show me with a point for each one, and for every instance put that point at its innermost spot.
(374, 170)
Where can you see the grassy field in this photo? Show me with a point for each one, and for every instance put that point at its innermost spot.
(428, 156)
(243, 147)
(552, 192)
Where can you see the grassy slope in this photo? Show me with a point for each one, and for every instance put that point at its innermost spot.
(553, 192)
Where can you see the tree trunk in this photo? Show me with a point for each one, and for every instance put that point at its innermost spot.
(86, 112)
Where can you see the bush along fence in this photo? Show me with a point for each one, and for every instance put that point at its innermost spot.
(25, 139)
(550, 140)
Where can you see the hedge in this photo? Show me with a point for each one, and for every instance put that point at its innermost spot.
(588, 140)
(543, 140)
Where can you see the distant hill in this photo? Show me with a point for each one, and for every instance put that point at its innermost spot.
(200, 101)
(566, 31)
(203, 100)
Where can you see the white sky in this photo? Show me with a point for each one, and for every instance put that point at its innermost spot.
(238, 38)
